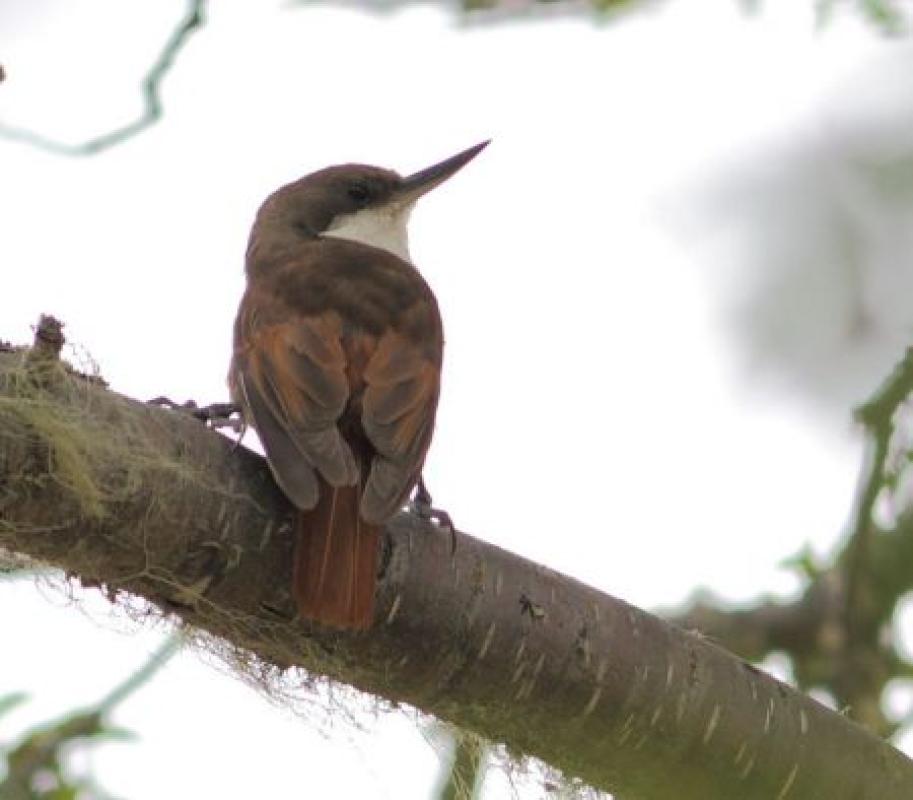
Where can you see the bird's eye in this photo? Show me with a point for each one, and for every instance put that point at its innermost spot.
(358, 192)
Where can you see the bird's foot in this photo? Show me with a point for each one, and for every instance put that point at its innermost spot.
(216, 415)
(222, 415)
(421, 505)
(167, 402)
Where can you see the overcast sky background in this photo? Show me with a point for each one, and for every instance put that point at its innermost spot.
(600, 414)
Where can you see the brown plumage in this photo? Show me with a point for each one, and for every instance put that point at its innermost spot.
(336, 363)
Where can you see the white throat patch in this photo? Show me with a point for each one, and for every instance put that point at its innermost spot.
(383, 227)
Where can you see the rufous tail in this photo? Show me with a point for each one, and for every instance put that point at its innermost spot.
(335, 568)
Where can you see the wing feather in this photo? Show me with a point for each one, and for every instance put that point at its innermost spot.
(398, 408)
(294, 387)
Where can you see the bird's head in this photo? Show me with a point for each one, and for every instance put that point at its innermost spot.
(359, 202)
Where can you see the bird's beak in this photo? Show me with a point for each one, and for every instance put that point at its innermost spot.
(422, 182)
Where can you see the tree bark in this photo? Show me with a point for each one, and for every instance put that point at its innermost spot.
(151, 503)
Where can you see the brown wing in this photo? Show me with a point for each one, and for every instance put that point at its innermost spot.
(402, 384)
(342, 336)
(290, 379)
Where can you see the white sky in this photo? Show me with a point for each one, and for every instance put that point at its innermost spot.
(595, 416)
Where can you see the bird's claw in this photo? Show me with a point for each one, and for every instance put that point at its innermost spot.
(167, 402)
(421, 505)
(215, 415)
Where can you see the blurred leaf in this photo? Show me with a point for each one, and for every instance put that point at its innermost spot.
(116, 734)
(805, 563)
(824, 12)
(615, 5)
(885, 14)
(65, 792)
(893, 177)
(9, 701)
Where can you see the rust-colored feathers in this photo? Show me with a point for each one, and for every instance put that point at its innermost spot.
(335, 566)
(344, 404)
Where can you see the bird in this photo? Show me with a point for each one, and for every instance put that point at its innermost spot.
(336, 363)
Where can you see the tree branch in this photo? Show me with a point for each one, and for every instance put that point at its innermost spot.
(149, 502)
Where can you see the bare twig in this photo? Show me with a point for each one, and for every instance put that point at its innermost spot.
(150, 86)
(169, 647)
